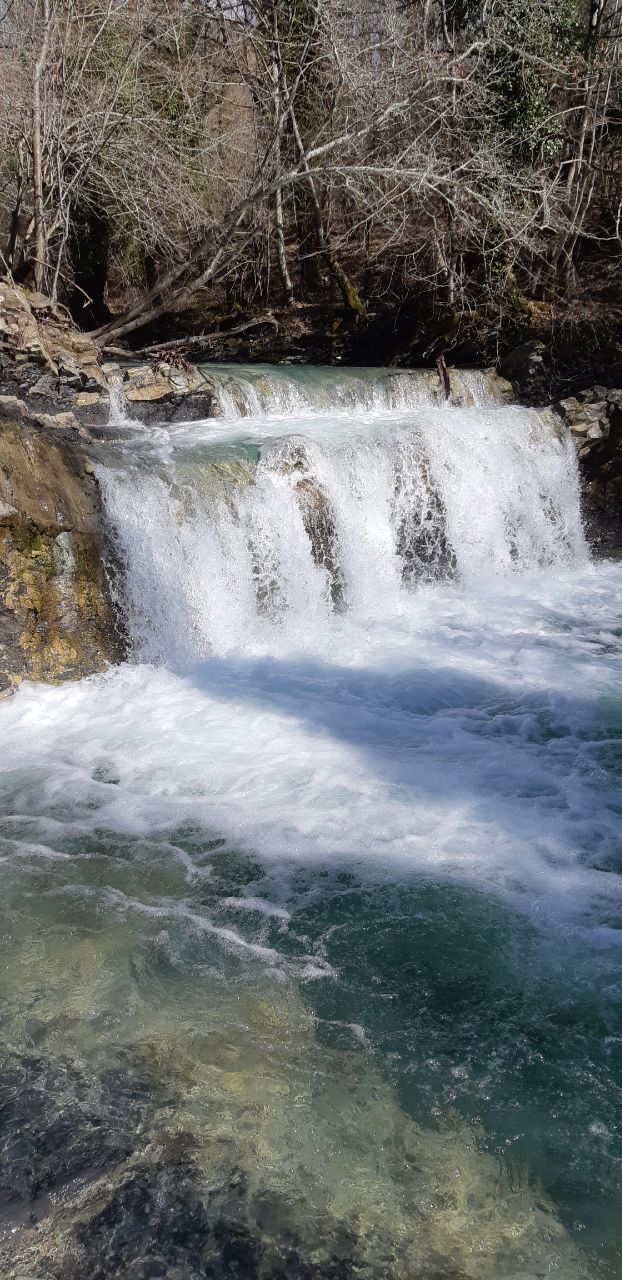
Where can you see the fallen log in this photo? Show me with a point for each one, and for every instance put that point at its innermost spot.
(194, 342)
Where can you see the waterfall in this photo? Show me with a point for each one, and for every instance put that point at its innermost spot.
(226, 537)
(256, 391)
(332, 861)
(118, 412)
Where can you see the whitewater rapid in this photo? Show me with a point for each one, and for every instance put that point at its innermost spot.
(372, 636)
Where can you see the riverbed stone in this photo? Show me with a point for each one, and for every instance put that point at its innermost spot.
(58, 1122)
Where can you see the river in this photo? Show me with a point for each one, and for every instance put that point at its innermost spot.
(329, 869)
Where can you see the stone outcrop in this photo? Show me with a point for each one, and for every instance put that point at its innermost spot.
(161, 392)
(526, 367)
(56, 613)
(595, 421)
(13, 409)
(51, 368)
(42, 354)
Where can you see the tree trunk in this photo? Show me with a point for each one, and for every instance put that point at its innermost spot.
(37, 154)
(347, 288)
(286, 280)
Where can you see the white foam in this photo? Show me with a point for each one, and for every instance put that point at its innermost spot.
(465, 736)
(118, 410)
(340, 699)
(261, 905)
(219, 557)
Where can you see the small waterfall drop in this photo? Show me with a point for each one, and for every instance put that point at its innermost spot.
(258, 391)
(118, 411)
(230, 536)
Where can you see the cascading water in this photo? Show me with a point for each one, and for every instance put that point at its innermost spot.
(264, 391)
(118, 411)
(331, 865)
(302, 523)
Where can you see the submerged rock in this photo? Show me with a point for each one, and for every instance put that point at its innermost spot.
(56, 613)
(157, 1218)
(422, 544)
(58, 1123)
(291, 458)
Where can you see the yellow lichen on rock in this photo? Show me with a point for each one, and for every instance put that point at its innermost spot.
(56, 616)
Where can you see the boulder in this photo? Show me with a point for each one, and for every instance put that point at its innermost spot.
(161, 392)
(56, 613)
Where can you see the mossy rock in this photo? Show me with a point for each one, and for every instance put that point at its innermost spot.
(56, 615)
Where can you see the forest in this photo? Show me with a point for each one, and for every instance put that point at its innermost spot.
(423, 174)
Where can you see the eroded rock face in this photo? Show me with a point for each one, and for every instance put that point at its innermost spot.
(56, 614)
(42, 354)
(526, 368)
(595, 421)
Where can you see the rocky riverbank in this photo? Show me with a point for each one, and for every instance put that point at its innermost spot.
(595, 420)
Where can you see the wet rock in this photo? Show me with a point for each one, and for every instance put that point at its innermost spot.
(594, 418)
(101, 1201)
(497, 387)
(160, 1220)
(526, 367)
(57, 1122)
(319, 523)
(155, 1220)
(12, 408)
(57, 619)
(466, 387)
(291, 458)
(422, 543)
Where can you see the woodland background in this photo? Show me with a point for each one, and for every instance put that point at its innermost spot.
(385, 179)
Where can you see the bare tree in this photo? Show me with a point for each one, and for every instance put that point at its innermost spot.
(420, 146)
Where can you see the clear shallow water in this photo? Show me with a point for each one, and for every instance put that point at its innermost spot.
(344, 873)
